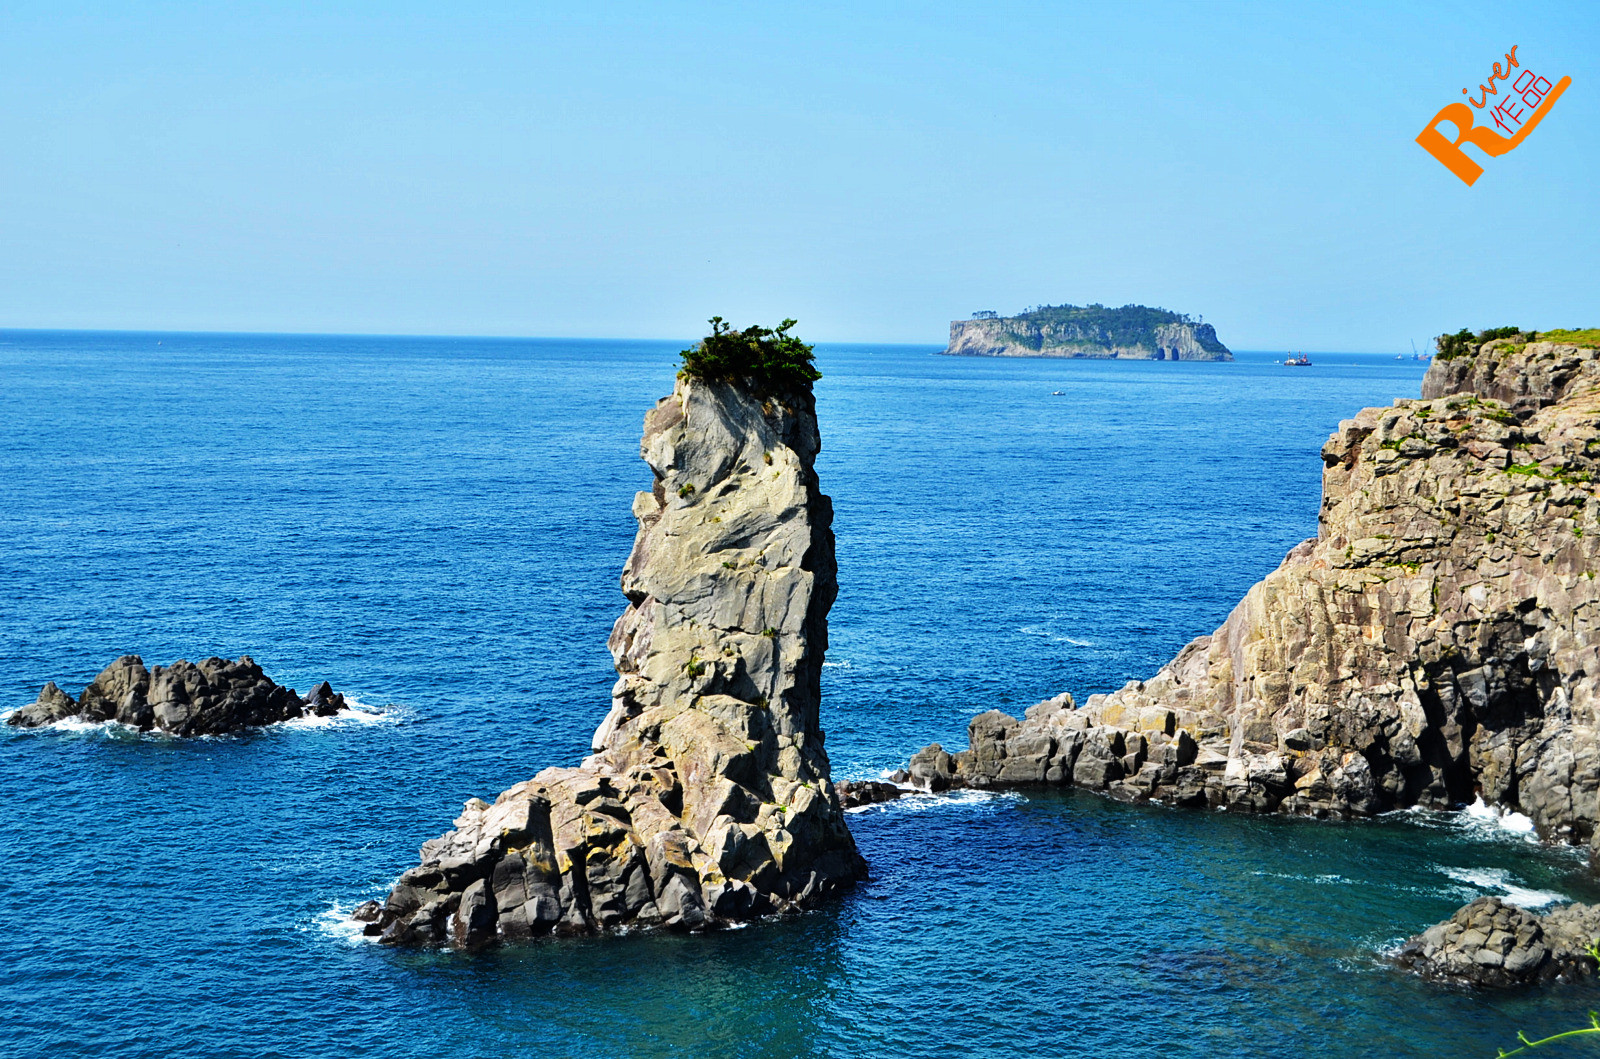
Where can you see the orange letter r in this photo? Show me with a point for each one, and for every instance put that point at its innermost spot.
(1449, 151)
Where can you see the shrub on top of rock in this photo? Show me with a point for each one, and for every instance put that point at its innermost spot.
(1464, 343)
(771, 359)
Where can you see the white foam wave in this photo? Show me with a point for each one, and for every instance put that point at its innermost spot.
(843, 663)
(1053, 636)
(80, 726)
(1497, 882)
(355, 712)
(335, 923)
(1326, 880)
(1506, 820)
(919, 801)
(1478, 820)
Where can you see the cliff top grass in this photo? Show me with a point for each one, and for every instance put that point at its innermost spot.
(1464, 343)
(1587, 337)
(771, 358)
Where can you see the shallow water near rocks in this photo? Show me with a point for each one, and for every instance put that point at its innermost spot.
(436, 526)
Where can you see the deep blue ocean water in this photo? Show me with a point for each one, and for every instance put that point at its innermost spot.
(437, 527)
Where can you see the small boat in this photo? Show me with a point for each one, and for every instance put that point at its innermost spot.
(1058, 393)
(1302, 361)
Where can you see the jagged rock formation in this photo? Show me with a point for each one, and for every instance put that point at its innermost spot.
(1519, 377)
(1133, 332)
(708, 795)
(1491, 943)
(1437, 640)
(854, 793)
(212, 697)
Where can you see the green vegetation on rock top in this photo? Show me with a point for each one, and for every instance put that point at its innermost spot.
(1587, 337)
(1128, 325)
(772, 359)
(1464, 343)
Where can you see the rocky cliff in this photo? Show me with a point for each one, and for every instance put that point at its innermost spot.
(707, 797)
(1133, 332)
(184, 698)
(1435, 642)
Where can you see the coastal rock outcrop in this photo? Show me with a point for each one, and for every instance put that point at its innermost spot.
(1491, 943)
(856, 793)
(1133, 332)
(1437, 641)
(185, 698)
(707, 797)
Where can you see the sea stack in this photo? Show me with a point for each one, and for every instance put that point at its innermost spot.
(707, 798)
(1436, 642)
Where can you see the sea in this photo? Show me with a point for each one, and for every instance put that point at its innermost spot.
(437, 525)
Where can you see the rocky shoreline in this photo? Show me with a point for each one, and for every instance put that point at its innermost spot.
(211, 697)
(1436, 642)
(707, 799)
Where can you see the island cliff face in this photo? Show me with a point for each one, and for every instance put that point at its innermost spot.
(1436, 641)
(707, 797)
(1132, 332)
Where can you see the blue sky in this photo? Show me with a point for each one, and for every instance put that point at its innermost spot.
(875, 170)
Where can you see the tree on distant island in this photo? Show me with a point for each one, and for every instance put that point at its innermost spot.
(1128, 324)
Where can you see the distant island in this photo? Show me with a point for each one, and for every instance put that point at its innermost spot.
(1133, 332)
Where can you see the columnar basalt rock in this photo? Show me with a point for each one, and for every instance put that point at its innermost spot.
(707, 796)
(1491, 943)
(186, 698)
(1436, 641)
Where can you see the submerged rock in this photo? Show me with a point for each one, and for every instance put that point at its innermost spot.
(185, 698)
(1436, 641)
(707, 798)
(1491, 943)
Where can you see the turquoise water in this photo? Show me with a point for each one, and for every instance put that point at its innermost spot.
(437, 526)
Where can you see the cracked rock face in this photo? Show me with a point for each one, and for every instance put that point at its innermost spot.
(1436, 641)
(185, 698)
(1491, 943)
(707, 796)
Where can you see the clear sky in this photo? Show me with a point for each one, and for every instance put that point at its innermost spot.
(876, 170)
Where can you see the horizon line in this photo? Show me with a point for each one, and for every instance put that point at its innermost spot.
(555, 338)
